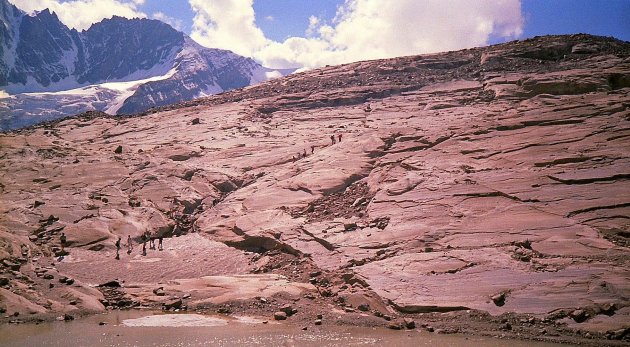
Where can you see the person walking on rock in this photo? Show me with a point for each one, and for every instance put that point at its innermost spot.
(340, 137)
(118, 248)
(63, 240)
(332, 138)
(304, 154)
(129, 244)
(160, 248)
(151, 241)
(144, 242)
(312, 149)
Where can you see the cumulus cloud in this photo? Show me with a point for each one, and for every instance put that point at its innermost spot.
(227, 24)
(174, 22)
(361, 29)
(80, 14)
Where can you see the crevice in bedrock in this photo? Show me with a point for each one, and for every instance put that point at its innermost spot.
(261, 244)
(381, 254)
(388, 142)
(329, 246)
(495, 193)
(566, 160)
(425, 144)
(596, 208)
(622, 176)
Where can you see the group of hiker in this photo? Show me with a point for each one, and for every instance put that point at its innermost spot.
(146, 237)
(333, 139)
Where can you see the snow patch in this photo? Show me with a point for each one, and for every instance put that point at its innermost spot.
(158, 71)
(175, 320)
(262, 74)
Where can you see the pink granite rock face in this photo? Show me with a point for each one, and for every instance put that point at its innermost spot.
(462, 179)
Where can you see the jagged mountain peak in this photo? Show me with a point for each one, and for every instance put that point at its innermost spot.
(116, 65)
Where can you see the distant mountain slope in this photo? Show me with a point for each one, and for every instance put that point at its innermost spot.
(117, 66)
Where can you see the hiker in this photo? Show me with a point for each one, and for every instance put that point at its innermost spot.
(160, 248)
(332, 138)
(63, 240)
(293, 159)
(340, 138)
(129, 244)
(118, 248)
(145, 237)
(304, 154)
(151, 241)
(312, 149)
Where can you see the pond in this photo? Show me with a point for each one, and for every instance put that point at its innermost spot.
(137, 328)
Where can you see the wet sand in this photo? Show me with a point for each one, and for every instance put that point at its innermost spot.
(134, 328)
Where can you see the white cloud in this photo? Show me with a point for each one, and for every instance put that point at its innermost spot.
(227, 24)
(362, 29)
(313, 24)
(174, 22)
(269, 18)
(80, 14)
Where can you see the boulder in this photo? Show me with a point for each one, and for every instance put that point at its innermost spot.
(396, 324)
(111, 284)
(11, 265)
(172, 304)
(499, 299)
(280, 315)
(579, 315)
(288, 309)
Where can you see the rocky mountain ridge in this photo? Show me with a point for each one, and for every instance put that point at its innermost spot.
(482, 191)
(118, 65)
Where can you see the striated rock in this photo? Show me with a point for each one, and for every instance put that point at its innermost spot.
(584, 48)
(505, 167)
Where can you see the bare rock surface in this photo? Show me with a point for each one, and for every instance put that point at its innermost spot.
(453, 180)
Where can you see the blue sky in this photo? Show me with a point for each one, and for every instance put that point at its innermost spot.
(309, 33)
(597, 17)
(280, 19)
(542, 17)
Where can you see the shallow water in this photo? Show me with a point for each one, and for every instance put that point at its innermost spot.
(135, 328)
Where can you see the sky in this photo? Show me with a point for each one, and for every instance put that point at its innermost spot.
(312, 33)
